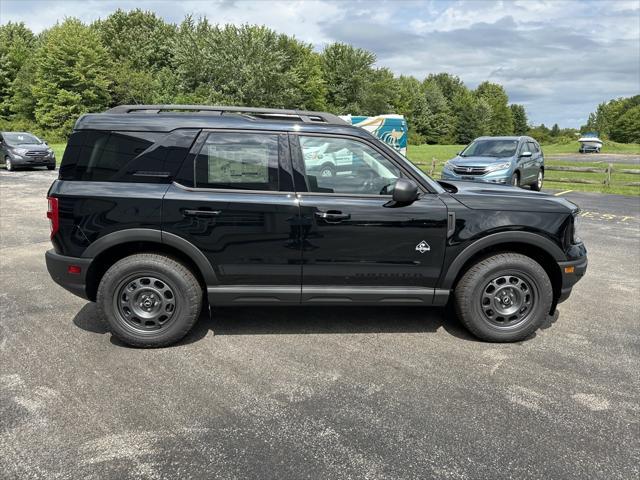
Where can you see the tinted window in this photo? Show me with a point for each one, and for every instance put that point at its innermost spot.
(339, 165)
(100, 156)
(491, 148)
(246, 161)
(124, 156)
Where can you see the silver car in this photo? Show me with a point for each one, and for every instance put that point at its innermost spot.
(516, 161)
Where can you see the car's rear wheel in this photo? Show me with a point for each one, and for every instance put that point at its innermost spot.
(515, 179)
(7, 164)
(537, 185)
(149, 300)
(504, 298)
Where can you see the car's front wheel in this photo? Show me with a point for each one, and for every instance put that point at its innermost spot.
(515, 179)
(149, 300)
(504, 298)
(51, 167)
(537, 185)
(7, 164)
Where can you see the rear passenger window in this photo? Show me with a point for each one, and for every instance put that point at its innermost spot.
(245, 161)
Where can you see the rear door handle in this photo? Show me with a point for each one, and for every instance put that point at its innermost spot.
(201, 213)
(333, 216)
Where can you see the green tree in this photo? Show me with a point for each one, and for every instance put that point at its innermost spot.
(139, 38)
(626, 129)
(139, 44)
(71, 76)
(17, 44)
(555, 130)
(245, 65)
(346, 71)
(449, 84)
(469, 114)
(380, 94)
(440, 124)
(520, 122)
(500, 121)
(412, 103)
(605, 118)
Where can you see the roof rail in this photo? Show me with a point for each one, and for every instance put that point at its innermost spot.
(274, 113)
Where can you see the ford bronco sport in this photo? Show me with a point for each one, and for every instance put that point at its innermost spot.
(159, 209)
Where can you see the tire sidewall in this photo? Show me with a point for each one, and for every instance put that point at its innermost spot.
(327, 167)
(515, 180)
(543, 297)
(537, 185)
(184, 316)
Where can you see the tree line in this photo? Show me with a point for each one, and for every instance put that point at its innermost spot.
(617, 119)
(135, 57)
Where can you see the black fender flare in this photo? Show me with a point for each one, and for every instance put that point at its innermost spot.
(155, 236)
(494, 239)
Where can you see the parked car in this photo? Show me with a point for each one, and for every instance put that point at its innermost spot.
(159, 207)
(24, 149)
(518, 161)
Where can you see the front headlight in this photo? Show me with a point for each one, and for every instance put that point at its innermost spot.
(498, 166)
(577, 225)
(20, 151)
(449, 165)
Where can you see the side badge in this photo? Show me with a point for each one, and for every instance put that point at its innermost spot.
(423, 247)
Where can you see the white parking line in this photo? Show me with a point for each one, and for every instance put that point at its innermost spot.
(562, 193)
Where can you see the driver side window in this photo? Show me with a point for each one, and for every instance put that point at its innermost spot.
(341, 165)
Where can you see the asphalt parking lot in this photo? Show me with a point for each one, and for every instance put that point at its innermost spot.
(319, 393)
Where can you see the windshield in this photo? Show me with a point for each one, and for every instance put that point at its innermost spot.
(491, 148)
(20, 139)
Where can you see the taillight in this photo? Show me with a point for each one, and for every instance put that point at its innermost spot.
(52, 215)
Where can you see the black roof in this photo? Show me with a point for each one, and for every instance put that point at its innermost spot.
(165, 118)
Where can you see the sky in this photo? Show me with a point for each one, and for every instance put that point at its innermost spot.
(560, 59)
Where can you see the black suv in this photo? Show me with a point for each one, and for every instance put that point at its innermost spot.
(159, 206)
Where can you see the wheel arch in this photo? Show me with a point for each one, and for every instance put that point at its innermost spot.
(532, 245)
(113, 247)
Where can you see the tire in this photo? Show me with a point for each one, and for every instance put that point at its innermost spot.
(149, 287)
(493, 280)
(327, 170)
(537, 185)
(515, 179)
(8, 165)
(51, 167)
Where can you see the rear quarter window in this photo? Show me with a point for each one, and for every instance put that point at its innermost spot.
(125, 156)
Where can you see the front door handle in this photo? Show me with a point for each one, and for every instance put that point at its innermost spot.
(333, 216)
(201, 213)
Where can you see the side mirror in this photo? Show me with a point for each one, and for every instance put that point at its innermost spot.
(405, 191)
(525, 154)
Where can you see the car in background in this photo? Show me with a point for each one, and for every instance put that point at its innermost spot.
(24, 149)
(516, 161)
